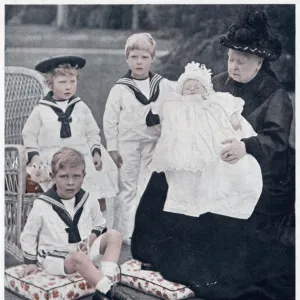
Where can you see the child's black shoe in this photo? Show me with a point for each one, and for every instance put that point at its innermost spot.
(100, 296)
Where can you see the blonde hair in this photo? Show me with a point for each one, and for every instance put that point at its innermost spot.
(140, 41)
(66, 157)
(63, 69)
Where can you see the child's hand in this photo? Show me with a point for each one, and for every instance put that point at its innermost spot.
(27, 269)
(97, 161)
(235, 122)
(115, 155)
(83, 246)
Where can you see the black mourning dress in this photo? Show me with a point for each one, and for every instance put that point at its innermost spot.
(269, 110)
(220, 257)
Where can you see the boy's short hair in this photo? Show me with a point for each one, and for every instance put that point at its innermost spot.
(66, 157)
(63, 69)
(140, 41)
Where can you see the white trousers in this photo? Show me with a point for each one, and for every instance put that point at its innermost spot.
(133, 178)
(109, 212)
(54, 263)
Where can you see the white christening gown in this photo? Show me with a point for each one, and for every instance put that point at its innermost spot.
(188, 151)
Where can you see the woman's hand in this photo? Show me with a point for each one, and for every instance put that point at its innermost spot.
(97, 161)
(27, 269)
(233, 151)
(116, 157)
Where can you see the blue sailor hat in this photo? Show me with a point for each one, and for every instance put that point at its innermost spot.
(51, 63)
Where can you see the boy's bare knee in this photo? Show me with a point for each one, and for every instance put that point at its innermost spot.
(78, 258)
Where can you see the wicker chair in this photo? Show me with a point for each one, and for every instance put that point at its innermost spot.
(23, 89)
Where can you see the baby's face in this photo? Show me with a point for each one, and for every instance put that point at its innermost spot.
(193, 87)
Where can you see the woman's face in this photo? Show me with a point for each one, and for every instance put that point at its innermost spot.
(243, 66)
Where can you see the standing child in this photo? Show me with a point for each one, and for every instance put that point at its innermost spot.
(131, 126)
(62, 119)
(195, 126)
(65, 232)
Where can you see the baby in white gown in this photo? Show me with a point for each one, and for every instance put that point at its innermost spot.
(194, 124)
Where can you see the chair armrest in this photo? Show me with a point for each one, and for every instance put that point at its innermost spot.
(15, 185)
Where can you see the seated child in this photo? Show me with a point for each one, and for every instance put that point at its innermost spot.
(196, 124)
(65, 232)
(62, 118)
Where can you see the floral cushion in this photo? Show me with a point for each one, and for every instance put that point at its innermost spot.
(44, 286)
(152, 283)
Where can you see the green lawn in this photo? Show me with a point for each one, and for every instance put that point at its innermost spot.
(49, 36)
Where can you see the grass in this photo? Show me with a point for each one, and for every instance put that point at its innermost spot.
(49, 36)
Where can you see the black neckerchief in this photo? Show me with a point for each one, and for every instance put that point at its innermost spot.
(128, 80)
(63, 117)
(80, 198)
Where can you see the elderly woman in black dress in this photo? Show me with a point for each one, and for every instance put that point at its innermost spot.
(251, 46)
(217, 256)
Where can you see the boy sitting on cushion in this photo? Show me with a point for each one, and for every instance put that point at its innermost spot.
(65, 232)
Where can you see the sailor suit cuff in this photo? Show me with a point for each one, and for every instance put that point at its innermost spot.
(99, 232)
(96, 150)
(29, 259)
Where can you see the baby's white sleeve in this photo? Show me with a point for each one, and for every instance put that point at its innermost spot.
(168, 106)
(229, 103)
(167, 92)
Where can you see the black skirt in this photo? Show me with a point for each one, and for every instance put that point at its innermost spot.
(218, 257)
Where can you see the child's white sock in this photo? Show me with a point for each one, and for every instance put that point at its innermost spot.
(108, 268)
(103, 285)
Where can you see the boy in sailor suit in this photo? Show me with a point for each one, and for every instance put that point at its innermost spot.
(65, 232)
(62, 119)
(131, 126)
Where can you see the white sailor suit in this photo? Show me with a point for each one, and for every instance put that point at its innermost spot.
(51, 233)
(50, 128)
(131, 126)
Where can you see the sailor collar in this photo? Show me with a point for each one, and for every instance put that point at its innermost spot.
(53, 199)
(155, 79)
(63, 116)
